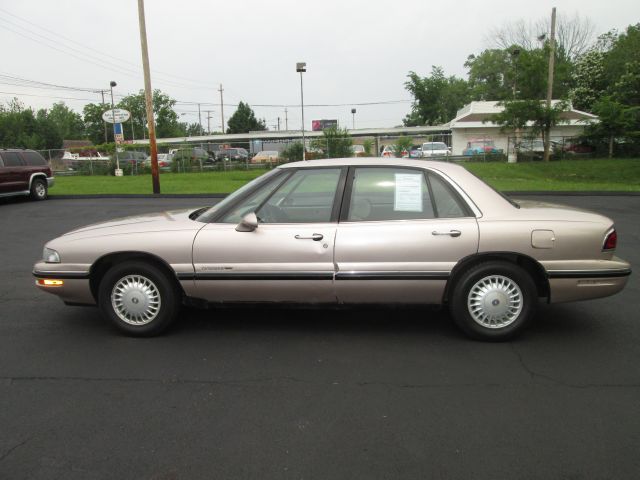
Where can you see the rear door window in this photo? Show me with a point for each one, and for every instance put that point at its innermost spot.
(380, 194)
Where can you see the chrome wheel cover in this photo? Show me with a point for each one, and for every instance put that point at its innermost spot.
(495, 301)
(136, 300)
(40, 189)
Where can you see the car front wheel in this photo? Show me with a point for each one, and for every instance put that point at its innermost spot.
(493, 301)
(138, 298)
(39, 189)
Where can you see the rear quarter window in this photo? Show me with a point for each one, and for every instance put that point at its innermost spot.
(34, 159)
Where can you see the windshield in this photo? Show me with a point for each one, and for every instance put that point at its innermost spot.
(208, 214)
(434, 146)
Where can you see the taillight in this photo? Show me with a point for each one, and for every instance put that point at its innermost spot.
(610, 241)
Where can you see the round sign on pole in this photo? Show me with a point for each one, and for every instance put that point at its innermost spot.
(117, 115)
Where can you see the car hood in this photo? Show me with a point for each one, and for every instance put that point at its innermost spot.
(149, 222)
(538, 210)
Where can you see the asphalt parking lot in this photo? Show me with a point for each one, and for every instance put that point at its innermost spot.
(310, 394)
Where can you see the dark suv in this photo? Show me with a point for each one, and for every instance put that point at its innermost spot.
(232, 154)
(24, 172)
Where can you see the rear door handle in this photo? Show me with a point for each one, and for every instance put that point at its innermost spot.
(316, 237)
(451, 233)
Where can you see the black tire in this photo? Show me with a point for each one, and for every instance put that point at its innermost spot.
(512, 314)
(164, 294)
(39, 190)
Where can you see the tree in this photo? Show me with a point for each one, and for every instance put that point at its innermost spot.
(531, 115)
(574, 34)
(367, 143)
(293, 152)
(436, 98)
(244, 120)
(624, 51)
(166, 119)
(493, 74)
(69, 123)
(401, 145)
(614, 120)
(191, 129)
(335, 143)
(589, 80)
(20, 127)
(94, 125)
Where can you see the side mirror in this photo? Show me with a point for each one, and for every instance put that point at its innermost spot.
(248, 223)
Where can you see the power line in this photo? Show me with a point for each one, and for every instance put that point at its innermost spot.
(58, 35)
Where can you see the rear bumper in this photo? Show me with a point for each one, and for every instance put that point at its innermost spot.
(51, 181)
(568, 285)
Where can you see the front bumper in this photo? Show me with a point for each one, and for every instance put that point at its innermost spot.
(51, 181)
(73, 287)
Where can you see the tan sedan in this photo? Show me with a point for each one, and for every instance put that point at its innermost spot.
(350, 231)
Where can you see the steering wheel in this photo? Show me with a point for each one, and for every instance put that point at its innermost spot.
(271, 214)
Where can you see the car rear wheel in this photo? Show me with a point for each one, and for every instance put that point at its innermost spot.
(138, 298)
(39, 189)
(493, 301)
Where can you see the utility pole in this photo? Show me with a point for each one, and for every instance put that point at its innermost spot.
(209, 121)
(148, 100)
(103, 122)
(200, 120)
(552, 57)
(286, 120)
(221, 107)
(278, 123)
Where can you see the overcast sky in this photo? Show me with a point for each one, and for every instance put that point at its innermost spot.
(356, 51)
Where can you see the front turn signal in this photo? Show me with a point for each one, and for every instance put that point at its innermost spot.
(49, 282)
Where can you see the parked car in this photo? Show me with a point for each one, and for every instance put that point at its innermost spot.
(343, 232)
(24, 172)
(480, 147)
(165, 160)
(534, 148)
(578, 148)
(131, 157)
(388, 151)
(358, 150)
(435, 149)
(266, 156)
(235, 154)
(415, 151)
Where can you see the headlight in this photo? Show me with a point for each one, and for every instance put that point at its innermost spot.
(50, 256)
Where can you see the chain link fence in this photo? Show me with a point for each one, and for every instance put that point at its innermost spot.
(264, 154)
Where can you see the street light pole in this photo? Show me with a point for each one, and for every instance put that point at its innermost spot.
(301, 67)
(353, 115)
(113, 119)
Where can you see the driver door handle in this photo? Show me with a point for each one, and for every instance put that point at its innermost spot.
(316, 237)
(451, 233)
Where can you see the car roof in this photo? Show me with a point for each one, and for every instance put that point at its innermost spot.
(445, 167)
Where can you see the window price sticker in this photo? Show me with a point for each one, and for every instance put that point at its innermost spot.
(408, 196)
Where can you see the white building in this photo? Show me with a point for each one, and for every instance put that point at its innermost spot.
(473, 122)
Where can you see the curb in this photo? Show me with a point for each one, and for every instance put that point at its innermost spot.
(222, 195)
(577, 193)
(138, 195)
